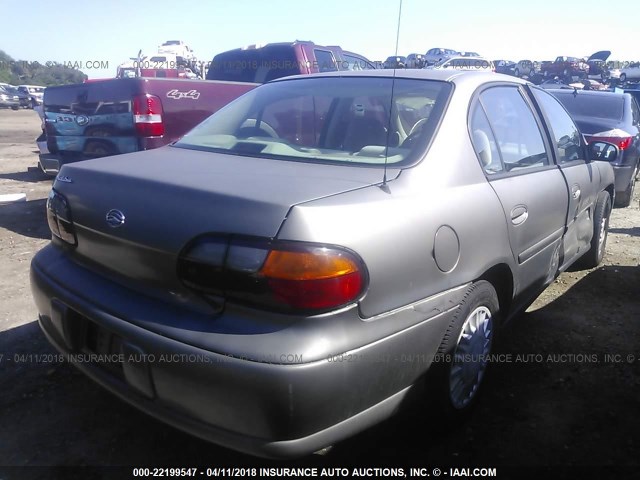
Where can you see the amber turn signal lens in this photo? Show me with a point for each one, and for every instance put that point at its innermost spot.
(307, 265)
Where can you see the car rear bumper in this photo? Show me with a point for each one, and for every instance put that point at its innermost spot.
(9, 104)
(273, 409)
(623, 174)
(48, 162)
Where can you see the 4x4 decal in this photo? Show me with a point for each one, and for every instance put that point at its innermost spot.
(176, 95)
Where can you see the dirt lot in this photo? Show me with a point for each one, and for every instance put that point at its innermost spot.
(541, 408)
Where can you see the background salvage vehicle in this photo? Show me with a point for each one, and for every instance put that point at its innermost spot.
(505, 66)
(565, 67)
(123, 115)
(435, 55)
(526, 68)
(9, 99)
(632, 72)
(610, 117)
(320, 250)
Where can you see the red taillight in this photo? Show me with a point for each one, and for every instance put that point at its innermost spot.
(147, 116)
(317, 294)
(285, 276)
(622, 141)
(317, 278)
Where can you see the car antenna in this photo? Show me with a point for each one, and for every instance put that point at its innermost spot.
(393, 82)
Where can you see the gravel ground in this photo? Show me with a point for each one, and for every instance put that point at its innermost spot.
(566, 395)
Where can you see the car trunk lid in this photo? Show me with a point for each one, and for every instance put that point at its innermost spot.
(168, 196)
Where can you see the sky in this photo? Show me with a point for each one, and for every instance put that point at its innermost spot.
(95, 35)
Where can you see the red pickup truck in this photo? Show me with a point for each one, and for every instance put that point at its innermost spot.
(124, 115)
(565, 67)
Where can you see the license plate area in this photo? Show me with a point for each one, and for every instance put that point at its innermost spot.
(98, 346)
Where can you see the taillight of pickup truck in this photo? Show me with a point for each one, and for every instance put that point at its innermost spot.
(147, 116)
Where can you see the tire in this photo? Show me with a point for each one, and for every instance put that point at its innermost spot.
(601, 215)
(98, 149)
(471, 333)
(624, 199)
(623, 77)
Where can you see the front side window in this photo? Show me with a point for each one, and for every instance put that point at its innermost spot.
(336, 119)
(516, 132)
(566, 135)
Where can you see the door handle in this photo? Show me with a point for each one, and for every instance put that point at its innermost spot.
(519, 215)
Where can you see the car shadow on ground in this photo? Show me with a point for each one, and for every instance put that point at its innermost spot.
(550, 398)
(561, 389)
(33, 175)
(26, 218)
(633, 231)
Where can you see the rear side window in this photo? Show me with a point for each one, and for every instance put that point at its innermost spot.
(325, 60)
(565, 133)
(484, 142)
(514, 127)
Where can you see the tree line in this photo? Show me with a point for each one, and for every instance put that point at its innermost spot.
(24, 72)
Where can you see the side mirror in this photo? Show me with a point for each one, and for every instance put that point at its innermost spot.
(603, 151)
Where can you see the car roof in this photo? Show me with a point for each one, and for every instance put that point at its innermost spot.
(446, 75)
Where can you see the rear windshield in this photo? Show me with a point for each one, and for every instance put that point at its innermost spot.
(91, 98)
(598, 105)
(254, 65)
(328, 119)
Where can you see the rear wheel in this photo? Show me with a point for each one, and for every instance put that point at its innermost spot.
(465, 349)
(623, 77)
(98, 149)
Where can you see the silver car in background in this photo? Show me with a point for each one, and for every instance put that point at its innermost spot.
(307, 258)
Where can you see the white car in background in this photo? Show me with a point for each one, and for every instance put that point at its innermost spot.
(632, 72)
(436, 55)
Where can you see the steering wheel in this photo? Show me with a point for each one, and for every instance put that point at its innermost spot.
(249, 129)
(419, 124)
(414, 132)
